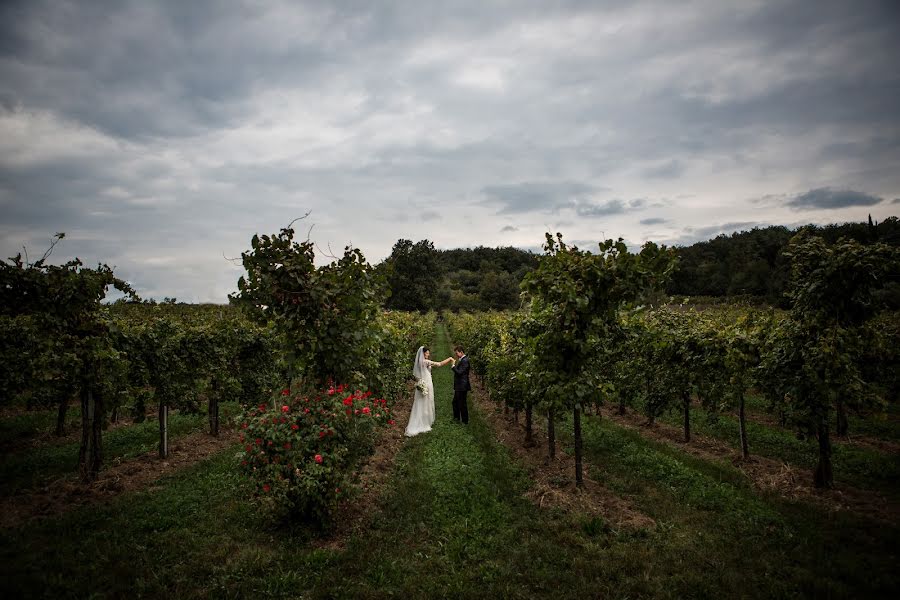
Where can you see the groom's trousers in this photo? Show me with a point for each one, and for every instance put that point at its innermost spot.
(461, 406)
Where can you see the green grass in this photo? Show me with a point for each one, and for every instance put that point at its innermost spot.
(33, 466)
(859, 466)
(20, 427)
(452, 522)
(776, 548)
(884, 425)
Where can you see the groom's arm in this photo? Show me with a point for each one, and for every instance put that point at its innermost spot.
(462, 367)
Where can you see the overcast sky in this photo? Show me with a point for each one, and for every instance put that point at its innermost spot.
(160, 136)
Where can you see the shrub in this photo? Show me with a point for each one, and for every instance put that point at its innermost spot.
(301, 451)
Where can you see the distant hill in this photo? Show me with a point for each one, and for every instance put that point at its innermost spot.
(747, 264)
(751, 263)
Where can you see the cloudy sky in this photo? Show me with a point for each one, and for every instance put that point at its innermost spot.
(160, 136)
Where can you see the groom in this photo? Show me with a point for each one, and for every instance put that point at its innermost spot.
(461, 385)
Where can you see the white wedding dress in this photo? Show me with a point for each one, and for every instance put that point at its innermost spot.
(421, 418)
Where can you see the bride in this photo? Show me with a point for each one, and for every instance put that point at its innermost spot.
(421, 417)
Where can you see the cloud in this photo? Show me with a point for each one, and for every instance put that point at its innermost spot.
(189, 126)
(509, 228)
(827, 198)
(653, 221)
(536, 196)
(671, 169)
(605, 209)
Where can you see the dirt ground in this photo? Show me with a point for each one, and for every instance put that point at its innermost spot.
(554, 481)
(766, 474)
(130, 475)
(67, 493)
(853, 439)
(371, 478)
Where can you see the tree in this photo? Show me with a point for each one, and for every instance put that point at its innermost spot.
(326, 316)
(499, 290)
(63, 305)
(413, 275)
(813, 357)
(576, 299)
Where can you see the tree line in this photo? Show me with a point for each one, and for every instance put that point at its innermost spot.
(749, 265)
(753, 264)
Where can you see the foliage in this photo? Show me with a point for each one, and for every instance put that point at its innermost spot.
(753, 263)
(814, 355)
(413, 273)
(302, 454)
(577, 297)
(71, 350)
(326, 315)
(423, 278)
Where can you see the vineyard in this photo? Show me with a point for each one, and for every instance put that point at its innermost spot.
(620, 445)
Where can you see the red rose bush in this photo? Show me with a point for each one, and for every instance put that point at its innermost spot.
(301, 452)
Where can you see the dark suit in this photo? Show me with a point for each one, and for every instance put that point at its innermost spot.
(461, 387)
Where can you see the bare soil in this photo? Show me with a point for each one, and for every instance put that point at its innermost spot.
(858, 440)
(49, 438)
(768, 475)
(120, 477)
(554, 480)
(371, 478)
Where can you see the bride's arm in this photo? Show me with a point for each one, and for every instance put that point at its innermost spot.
(443, 362)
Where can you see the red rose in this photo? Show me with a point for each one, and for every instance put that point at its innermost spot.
(348, 401)
(391, 422)
(243, 425)
(321, 434)
(266, 488)
(295, 427)
(287, 446)
(319, 458)
(248, 448)
(366, 410)
(285, 392)
(262, 407)
(259, 441)
(285, 408)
